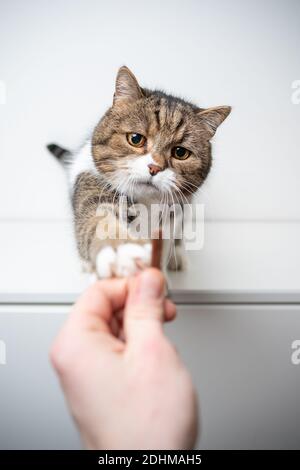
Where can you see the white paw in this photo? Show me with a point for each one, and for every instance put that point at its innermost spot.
(126, 260)
(105, 262)
(131, 257)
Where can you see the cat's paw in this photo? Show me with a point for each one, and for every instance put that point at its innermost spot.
(132, 257)
(126, 260)
(105, 262)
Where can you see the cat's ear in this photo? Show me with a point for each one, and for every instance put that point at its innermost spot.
(127, 87)
(213, 117)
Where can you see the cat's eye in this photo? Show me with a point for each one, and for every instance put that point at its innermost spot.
(136, 140)
(180, 153)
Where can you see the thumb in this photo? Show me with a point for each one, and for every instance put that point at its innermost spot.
(144, 310)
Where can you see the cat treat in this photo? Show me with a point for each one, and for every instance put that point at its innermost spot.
(157, 246)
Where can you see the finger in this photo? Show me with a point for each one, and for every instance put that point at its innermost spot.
(170, 310)
(89, 324)
(145, 305)
(95, 307)
(116, 324)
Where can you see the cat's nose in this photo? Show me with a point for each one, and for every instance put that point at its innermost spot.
(154, 169)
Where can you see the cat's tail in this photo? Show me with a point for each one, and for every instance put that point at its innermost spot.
(60, 153)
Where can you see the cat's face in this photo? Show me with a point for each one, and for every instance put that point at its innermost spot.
(154, 145)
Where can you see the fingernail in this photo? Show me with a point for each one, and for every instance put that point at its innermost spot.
(150, 285)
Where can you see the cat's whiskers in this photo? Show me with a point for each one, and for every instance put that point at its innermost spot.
(165, 205)
(132, 188)
(131, 184)
(191, 184)
(182, 195)
(198, 189)
(119, 186)
(174, 234)
(179, 201)
(187, 190)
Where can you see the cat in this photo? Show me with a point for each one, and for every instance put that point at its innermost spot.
(148, 147)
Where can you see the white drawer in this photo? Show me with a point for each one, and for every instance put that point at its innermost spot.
(239, 356)
(33, 413)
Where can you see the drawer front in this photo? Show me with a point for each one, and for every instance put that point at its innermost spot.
(33, 414)
(248, 387)
(239, 357)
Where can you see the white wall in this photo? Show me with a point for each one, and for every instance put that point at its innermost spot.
(59, 60)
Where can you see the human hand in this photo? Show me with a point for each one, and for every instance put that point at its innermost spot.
(125, 394)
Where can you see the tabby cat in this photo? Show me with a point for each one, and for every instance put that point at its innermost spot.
(148, 148)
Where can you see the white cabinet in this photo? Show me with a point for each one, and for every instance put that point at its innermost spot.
(239, 357)
(32, 408)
